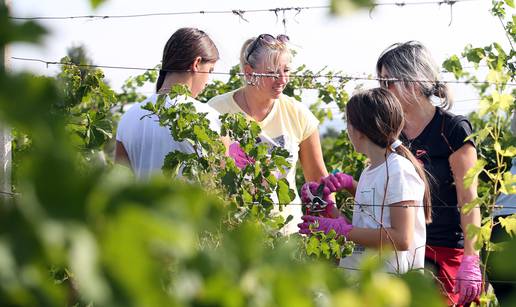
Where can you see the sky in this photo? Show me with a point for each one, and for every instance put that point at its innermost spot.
(349, 43)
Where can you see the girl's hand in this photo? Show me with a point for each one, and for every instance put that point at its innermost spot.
(325, 224)
(338, 181)
(313, 187)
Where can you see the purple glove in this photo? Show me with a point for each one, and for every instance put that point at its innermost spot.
(313, 186)
(241, 159)
(469, 279)
(338, 181)
(340, 225)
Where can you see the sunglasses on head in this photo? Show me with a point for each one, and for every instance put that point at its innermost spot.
(268, 39)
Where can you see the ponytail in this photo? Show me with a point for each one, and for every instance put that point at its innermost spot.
(427, 202)
(161, 79)
(442, 91)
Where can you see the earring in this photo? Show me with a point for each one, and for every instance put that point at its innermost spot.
(252, 80)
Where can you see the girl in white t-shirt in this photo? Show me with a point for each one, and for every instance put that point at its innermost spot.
(188, 58)
(392, 195)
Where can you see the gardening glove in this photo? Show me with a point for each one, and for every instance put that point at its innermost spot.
(313, 186)
(325, 224)
(469, 279)
(338, 181)
(240, 157)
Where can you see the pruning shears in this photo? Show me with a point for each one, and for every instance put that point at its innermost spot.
(316, 204)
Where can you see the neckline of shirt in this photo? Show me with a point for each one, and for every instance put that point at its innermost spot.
(382, 165)
(438, 112)
(267, 118)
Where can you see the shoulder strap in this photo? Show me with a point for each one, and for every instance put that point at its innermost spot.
(443, 135)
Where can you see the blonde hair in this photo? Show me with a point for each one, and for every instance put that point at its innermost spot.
(269, 54)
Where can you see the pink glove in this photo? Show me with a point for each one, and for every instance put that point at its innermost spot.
(469, 279)
(241, 159)
(340, 225)
(338, 181)
(313, 186)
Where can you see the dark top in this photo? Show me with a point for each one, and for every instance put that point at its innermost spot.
(444, 135)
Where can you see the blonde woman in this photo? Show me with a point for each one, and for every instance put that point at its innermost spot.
(284, 122)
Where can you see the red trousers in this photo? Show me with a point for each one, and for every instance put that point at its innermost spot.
(446, 262)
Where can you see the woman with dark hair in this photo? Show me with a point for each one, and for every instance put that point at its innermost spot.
(392, 195)
(439, 139)
(188, 58)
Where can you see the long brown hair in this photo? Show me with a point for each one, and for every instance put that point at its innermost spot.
(182, 48)
(377, 114)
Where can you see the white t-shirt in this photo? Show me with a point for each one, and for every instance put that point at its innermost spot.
(147, 143)
(288, 124)
(404, 185)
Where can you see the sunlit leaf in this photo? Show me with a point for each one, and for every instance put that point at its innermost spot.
(509, 224)
(283, 192)
(471, 205)
(472, 173)
(312, 247)
(484, 106)
(508, 152)
(503, 101)
(452, 64)
(508, 183)
(473, 231)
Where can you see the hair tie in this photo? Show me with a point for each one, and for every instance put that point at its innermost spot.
(395, 144)
(437, 87)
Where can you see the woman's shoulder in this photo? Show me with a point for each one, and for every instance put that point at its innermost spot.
(401, 164)
(223, 103)
(294, 106)
(135, 110)
(451, 120)
(201, 106)
(456, 128)
(290, 101)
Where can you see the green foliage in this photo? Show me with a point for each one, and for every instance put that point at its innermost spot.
(328, 245)
(339, 7)
(422, 289)
(329, 90)
(85, 233)
(130, 87)
(96, 3)
(252, 187)
(218, 87)
(10, 32)
(494, 142)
